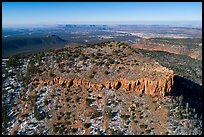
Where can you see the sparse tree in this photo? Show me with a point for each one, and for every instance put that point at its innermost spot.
(37, 114)
(46, 61)
(19, 75)
(46, 102)
(106, 72)
(12, 61)
(5, 117)
(109, 114)
(55, 129)
(39, 57)
(180, 100)
(7, 74)
(187, 110)
(87, 125)
(179, 115)
(120, 132)
(27, 78)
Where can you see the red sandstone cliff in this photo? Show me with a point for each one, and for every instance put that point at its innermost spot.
(153, 87)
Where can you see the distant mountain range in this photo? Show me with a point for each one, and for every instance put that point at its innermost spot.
(18, 45)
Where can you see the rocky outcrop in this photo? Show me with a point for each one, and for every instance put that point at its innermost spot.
(154, 87)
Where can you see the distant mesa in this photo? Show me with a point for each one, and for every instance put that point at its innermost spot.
(18, 45)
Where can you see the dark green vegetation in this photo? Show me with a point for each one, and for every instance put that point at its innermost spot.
(182, 65)
(65, 61)
(24, 40)
(5, 117)
(16, 62)
(185, 46)
(188, 42)
(13, 61)
(37, 114)
(21, 45)
(188, 75)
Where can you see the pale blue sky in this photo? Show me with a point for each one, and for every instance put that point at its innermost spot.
(20, 13)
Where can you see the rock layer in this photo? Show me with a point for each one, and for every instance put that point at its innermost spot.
(153, 87)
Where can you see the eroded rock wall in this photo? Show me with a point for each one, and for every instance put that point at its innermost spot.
(157, 87)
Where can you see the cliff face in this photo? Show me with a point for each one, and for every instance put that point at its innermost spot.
(128, 71)
(153, 87)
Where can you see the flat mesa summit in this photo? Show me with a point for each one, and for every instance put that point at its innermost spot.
(116, 67)
(109, 88)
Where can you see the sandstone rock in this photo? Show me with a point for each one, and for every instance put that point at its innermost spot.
(153, 86)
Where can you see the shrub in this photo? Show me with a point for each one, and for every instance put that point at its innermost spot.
(111, 61)
(74, 130)
(59, 117)
(42, 91)
(37, 114)
(8, 74)
(51, 74)
(160, 102)
(134, 117)
(91, 75)
(173, 106)
(78, 99)
(96, 114)
(120, 132)
(19, 75)
(68, 115)
(24, 99)
(68, 122)
(5, 117)
(187, 110)
(61, 130)
(68, 99)
(56, 129)
(35, 133)
(112, 131)
(46, 61)
(179, 115)
(180, 100)
(143, 126)
(156, 108)
(87, 125)
(12, 61)
(116, 51)
(99, 63)
(125, 117)
(141, 116)
(136, 121)
(109, 114)
(148, 131)
(106, 72)
(89, 101)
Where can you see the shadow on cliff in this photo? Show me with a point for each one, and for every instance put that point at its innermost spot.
(191, 91)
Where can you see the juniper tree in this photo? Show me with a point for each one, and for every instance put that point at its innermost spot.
(180, 100)
(187, 110)
(46, 61)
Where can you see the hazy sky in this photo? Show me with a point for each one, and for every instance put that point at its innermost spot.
(20, 13)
